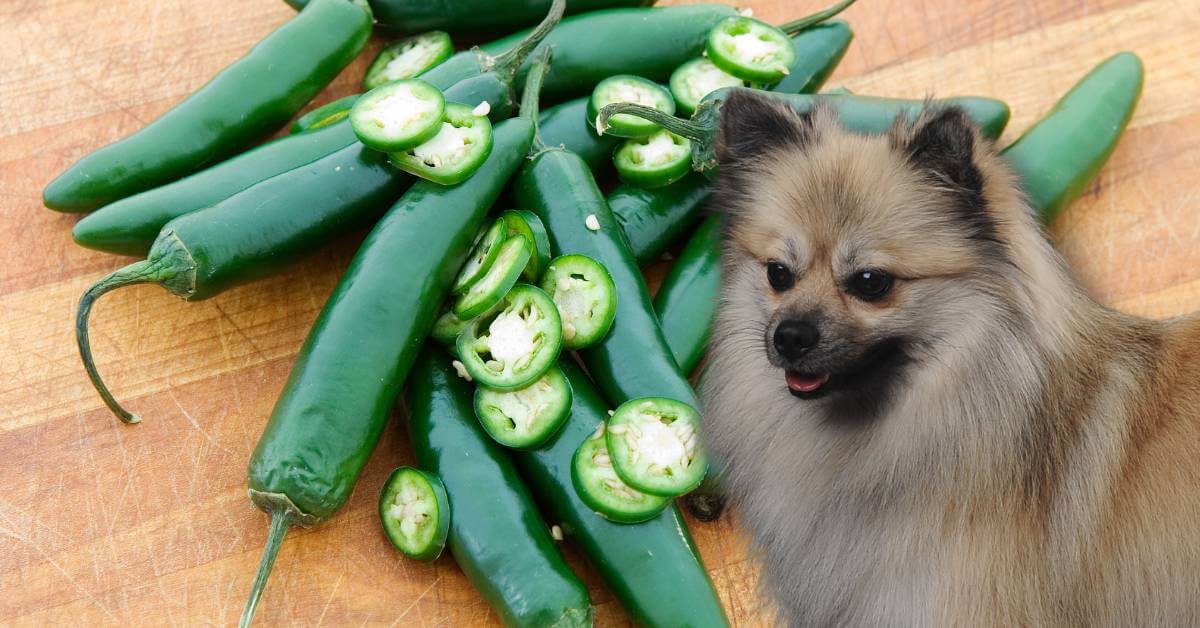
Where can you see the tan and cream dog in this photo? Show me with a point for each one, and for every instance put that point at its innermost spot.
(924, 420)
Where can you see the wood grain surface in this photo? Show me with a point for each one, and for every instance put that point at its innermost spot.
(102, 523)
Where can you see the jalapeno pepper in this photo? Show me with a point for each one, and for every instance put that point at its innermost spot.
(653, 567)
(472, 16)
(497, 281)
(862, 114)
(415, 513)
(408, 58)
(655, 446)
(695, 80)
(487, 247)
(528, 225)
(585, 296)
(334, 405)
(565, 125)
(599, 486)
(527, 417)
(1059, 156)
(634, 89)
(498, 538)
(653, 219)
(659, 159)
(516, 343)
(398, 115)
(325, 115)
(758, 52)
(461, 145)
(248, 99)
(130, 226)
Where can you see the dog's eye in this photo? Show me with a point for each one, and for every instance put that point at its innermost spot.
(780, 277)
(870, 285)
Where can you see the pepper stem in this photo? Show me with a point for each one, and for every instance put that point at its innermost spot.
(281, 520)
(145, 271)
(795, 26)
(678, 126)
(531, 94)
(510, 61)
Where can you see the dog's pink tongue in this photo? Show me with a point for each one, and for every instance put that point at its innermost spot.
(805, 383)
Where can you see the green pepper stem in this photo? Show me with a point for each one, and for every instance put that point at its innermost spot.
(145, 271)
(531, 94)
(795, 26)
(511, 60)
(281, 520)
(678, 126)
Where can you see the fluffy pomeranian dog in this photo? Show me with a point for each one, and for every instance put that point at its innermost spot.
(924, 420)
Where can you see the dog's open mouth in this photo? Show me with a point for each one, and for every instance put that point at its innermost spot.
(806, 385)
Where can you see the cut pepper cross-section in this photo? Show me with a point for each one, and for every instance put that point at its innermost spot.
(398, 115)
(659, 159)
(527, 417)
(585, 296)
(408, 58)
(415, 513)
(498, 280)
(751, 50)
(598, 485)
(514, 344)
(629, 89)
(463, 142)
(655, 446)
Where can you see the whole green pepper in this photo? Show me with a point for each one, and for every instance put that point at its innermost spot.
(1059, 156)
(497, 535)
(652, 567)
(565, 125)
(334, 405)
(130, 226)
(687, 319)
(257, 231)
(247, 100)
(472, 16)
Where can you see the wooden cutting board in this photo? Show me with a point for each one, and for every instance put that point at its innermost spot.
(102, 523)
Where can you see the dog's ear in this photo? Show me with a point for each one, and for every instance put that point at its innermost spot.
(942, 142)
(752, 125)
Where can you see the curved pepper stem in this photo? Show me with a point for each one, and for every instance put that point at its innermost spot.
(683, 128)
(531, 94)
(795, 26)
(511, 60)
(281, 520)
(144, 271)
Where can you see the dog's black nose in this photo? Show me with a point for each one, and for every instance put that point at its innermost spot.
(793, 338)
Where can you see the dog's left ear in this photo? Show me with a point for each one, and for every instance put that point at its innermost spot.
(943, 142)
(752, 125)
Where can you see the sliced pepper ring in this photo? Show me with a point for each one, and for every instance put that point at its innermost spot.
(415, 513)
(631, 89)
(751, 50)
(601, 489)
(527, 417)
(398, 115)
(408, 58)
(514, 344)
(526, 223)
(655, 446)
(487, 247)
(659, 159)
(586, 298)
(325, 115)
(500, 277)
(460, 147)
(697, 78)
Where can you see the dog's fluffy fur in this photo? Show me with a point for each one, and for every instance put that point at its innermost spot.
(995, 448)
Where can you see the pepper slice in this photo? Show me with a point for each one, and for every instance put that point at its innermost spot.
(399, 115)
(415, 513)
(500, 277)
(659, 159)
(655, 446)
(601, 489)
(511, 347)
(487, 247)
(408, 58)
(526, 223)
(461, 145)
(751, 49)
(696, 79)
(525, 418)
(586, 297)
(325, 115)
(626, 88)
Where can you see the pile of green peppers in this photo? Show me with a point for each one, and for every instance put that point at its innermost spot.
(206, 216)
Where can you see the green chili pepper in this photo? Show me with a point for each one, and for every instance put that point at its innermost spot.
(335, 402)
(487, 247)
(528, 225)
(686, 301)
(513, 345)
(653, 568)
(630, 88)
(130, 226)
(565, 125)
(415, 513)
(1059, 156)
(655, 446)
(759, 52)
(398, 115)
(647, 42)
(557, 186)
(256, 94)
(585, 296)
(325, 115)
(527, 417)
(408, 58)
(512, 257)
(472, 16)
(654, 161)
(857, 113)
(498, 538)
(599, 486)
(461, 145)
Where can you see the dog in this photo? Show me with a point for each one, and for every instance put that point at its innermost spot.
(923, 419)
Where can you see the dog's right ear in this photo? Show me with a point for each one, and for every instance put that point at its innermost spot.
(753, 125)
